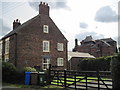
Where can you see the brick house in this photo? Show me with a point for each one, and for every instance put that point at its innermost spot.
(97, 48)
(37, 42)
(74, 59)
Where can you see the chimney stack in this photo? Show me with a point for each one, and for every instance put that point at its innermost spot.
(44, 8)
(16, 23)
(76, 42)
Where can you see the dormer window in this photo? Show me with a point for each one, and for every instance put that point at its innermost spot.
(45, 29)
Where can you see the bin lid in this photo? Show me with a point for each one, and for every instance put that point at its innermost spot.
(27, 72)
(41, 72)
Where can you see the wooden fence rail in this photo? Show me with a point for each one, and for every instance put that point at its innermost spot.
(81, 79)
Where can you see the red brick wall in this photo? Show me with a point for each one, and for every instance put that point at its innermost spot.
(29, 43)
(104, 50)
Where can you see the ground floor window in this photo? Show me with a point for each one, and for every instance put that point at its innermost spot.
(0, 57)
(45, 62)
(60, 62)
(6, 57)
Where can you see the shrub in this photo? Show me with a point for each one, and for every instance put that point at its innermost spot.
(29, 69)
(94, 64)
(8, 72)
(115, 67)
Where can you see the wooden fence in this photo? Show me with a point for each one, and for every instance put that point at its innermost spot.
(81, 79)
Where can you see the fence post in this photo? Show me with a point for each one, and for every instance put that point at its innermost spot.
(98, 76)
(65, 78)
(75, 80)
(86, 80)
(57, 78)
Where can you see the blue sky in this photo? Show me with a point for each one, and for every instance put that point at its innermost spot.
(75, 18)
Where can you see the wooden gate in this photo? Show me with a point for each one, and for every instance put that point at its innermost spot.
(81, 79)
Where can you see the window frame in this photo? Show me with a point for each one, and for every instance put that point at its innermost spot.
(45, 63)
(48, 46)
(45, 28)
(60, 46)
(1, 50)
(60, 61)
(7, 47)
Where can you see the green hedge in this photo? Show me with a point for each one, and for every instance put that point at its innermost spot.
(29, 69)
(94, 64)
(10, 73)
(116, 72)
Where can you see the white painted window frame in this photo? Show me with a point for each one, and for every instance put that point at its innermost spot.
(7, 47)
(46, 48)
(60, 61)
(45, 28)
(45, 63)
(60, 46)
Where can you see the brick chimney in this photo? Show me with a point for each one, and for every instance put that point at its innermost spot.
(16, 23)
(44, 8)
(76, 42)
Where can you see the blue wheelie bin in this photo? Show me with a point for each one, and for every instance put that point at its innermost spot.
(27, 78)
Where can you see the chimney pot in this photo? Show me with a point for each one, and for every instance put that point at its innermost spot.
(76, 42)
(16, 23)
(16, 20)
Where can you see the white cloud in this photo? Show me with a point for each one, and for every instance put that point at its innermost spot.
(52, 4)
(106, 14)
(83, 25)
(95, 35)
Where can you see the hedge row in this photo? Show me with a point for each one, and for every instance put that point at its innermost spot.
(11, 74)
(94, 64)
(115, 68)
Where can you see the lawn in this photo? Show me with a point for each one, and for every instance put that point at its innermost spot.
(71, 80)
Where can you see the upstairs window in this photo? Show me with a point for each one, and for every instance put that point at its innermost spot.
(60, 47)
(45, 29)
(46, 46)
(60, 62)
(7, 50)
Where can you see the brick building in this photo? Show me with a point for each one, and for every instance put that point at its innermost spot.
(37, 42)
(74, 59)
(97, 48)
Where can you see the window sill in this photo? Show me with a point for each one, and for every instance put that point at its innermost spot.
(60, 66)
(46, 51)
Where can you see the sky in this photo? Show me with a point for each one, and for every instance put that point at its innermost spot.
(76, 19)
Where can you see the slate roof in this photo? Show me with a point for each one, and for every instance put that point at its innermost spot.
(88, 38)
(108, 39)
(21, 26)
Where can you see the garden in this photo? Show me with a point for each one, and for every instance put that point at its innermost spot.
(12, 76)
